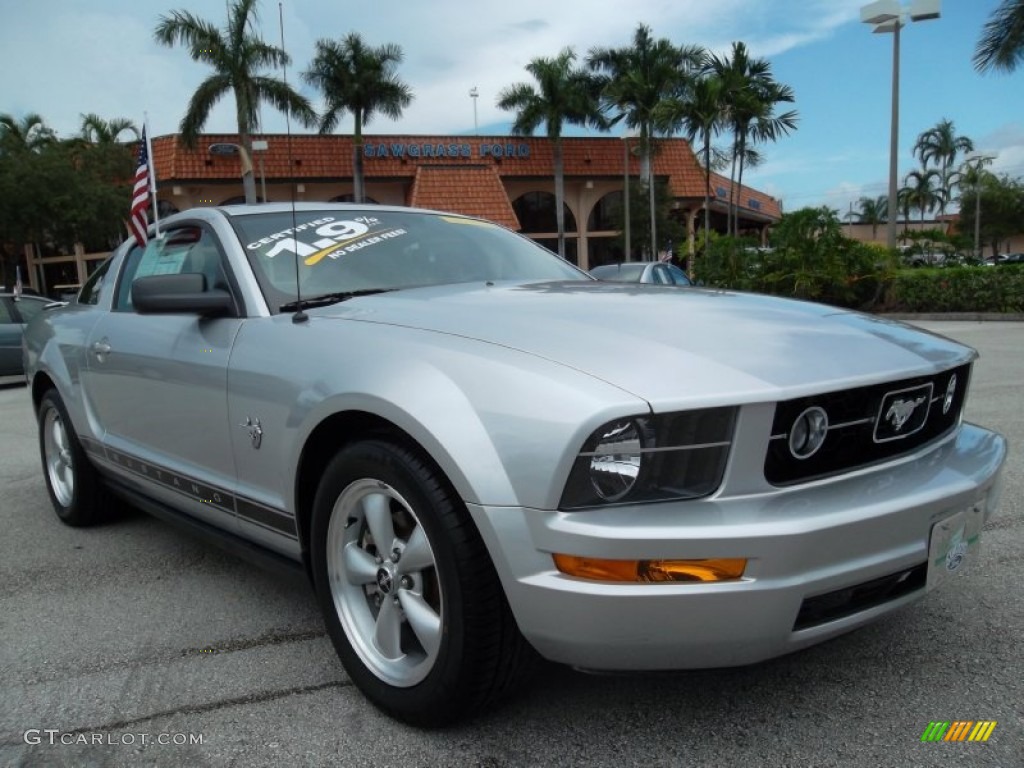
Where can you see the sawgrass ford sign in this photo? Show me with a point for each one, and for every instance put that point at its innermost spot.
(449, 150)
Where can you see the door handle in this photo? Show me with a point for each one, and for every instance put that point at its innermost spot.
(101, 348)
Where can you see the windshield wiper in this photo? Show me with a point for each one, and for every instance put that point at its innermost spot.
(326, 299)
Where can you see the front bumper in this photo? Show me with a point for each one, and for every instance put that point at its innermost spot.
(801, 542)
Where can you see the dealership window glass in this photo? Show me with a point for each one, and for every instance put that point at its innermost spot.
(606, 214)
(536, 213)
(350, 198)
(238, 200)
(603, 250)
(571, 247)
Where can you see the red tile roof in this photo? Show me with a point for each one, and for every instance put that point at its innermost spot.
(326, 158)
(472, 190)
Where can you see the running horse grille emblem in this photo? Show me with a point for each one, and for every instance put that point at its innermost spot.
(903, 412)
(900, 411)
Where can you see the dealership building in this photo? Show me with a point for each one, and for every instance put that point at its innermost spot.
(508, 180)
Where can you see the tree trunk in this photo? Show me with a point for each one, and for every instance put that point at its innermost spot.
(560, 197)
(358, 193)
(732, 184)
(707, 196)
(739, 187)
(248, 178)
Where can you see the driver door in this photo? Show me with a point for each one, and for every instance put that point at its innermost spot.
(157, 384)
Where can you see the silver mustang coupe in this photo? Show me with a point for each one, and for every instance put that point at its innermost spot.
(481, 455)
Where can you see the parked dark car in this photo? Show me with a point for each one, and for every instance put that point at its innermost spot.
(15, 312)
(657, 272)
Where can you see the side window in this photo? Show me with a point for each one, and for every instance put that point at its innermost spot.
(6, 318)
(29, 308)
(187, 249)
(661, 276)
(678, 276)
(90, 293)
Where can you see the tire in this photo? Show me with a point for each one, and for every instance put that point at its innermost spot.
(421, 623)
(76, 491)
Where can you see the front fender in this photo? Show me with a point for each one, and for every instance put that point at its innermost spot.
(502, 424)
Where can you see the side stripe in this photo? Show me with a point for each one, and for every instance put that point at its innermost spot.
(250, 510)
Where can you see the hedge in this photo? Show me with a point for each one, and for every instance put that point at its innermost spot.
(956, 289)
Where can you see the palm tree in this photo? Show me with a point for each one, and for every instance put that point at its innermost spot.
(699, 113)
(941, 145)
(565, 94)
(924, 190)
(634, 80)
(873, 211)
(30, 134)
(361, 79)
(1002, 39)
(237, 56)
(96, 130)
(904, 202)
(751, 94)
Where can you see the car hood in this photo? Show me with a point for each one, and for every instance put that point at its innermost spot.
(671, 345)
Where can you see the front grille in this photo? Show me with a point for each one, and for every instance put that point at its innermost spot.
(846, 602)
(866, 425)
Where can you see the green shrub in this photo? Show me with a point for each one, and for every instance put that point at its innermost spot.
(958, 289)
(812, 259)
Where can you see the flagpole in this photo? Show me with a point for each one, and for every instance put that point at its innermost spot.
(152, 174)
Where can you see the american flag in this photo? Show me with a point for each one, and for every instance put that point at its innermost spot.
(140, 195)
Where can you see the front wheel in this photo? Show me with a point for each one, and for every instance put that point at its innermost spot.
(410, 597)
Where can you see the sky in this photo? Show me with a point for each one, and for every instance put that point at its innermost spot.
(80, 56)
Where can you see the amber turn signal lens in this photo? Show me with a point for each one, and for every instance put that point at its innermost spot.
(646, 571)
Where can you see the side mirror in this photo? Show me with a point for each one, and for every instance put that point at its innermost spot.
(180, 294)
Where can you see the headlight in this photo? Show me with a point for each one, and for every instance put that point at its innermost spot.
(651, 458)
(615, 463)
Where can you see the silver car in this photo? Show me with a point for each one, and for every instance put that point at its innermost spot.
(657, 272)
(480, 455)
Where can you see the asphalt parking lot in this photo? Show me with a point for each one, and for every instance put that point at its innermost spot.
(121, 636)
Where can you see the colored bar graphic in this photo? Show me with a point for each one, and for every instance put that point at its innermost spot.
(958, 730)
(982, 730)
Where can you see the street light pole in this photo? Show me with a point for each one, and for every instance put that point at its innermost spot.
(894, 137)
(474, 94)
(625, 192)
(890, 16)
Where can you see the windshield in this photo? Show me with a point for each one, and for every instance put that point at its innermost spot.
(349, 251)
(627, 273)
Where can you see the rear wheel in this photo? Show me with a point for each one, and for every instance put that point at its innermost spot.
(409, 594)
(76, 490)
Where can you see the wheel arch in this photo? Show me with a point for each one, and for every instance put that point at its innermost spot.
(323, 443)
(41, 384)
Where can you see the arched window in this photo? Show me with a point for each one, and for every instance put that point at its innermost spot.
(606, 214)
(238, 200)
(350, 198)
(536, 213)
